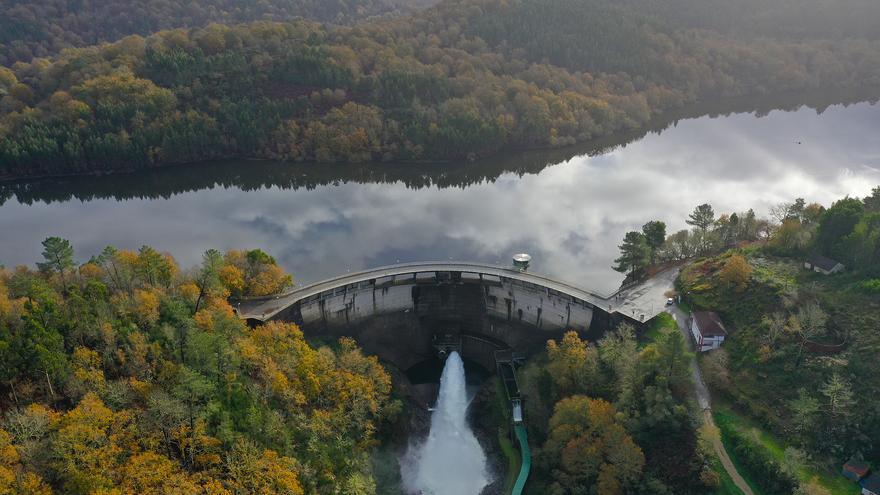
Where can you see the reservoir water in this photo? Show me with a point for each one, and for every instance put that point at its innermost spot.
(568, 208)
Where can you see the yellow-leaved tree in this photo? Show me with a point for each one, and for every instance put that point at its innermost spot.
(252, 470)
(574, 364)
(252, 273)
(89, 445)
(592, 448)
(336, 395)
(736, 272)
(14, 480)
(146, 307)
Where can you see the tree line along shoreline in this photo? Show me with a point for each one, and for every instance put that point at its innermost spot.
(786, 101)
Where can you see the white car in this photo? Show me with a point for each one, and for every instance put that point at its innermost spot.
(670, 301)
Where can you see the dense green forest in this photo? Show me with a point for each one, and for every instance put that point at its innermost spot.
(612, 414)
(463, 79)
(39, 29)
(802, 346)
(794, 19)
(127, 375)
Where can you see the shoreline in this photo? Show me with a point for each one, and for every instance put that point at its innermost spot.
(786, 101)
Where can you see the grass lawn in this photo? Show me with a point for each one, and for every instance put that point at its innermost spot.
(727, 487)
(661, 325)
(740, 467)
(513, 459)
(833, 482)
(511, 454)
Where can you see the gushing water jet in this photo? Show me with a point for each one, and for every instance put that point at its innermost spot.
(451, 460)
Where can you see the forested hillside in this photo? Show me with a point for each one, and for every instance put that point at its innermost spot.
(679, 43)
(795, 19)
(789, 381)
(40, 29)
(614, 415)
(463, 79)
(128, 375)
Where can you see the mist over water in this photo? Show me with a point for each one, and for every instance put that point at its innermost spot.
(451, 460)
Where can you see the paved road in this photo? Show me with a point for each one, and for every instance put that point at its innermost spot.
(648, 297)
(704, 399)
(642, 301)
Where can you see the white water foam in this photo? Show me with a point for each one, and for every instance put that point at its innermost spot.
(451, 460)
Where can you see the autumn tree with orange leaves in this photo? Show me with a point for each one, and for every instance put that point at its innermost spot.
(736, 272)
(592, 448)
(127, 375)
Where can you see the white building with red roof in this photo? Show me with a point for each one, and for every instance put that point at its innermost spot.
(708, 330)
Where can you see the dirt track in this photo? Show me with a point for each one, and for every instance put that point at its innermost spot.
(704, 399)
(725, 459)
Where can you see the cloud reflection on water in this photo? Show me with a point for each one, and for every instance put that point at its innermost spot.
(569, 216)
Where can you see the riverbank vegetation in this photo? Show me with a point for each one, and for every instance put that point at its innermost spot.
(126, 374)
(800, 344)
(463, 79)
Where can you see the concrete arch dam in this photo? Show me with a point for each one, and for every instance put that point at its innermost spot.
(410, 312)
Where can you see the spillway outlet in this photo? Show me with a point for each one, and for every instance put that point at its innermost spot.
(445, 344)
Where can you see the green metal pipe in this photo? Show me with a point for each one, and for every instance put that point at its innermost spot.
(526, 465)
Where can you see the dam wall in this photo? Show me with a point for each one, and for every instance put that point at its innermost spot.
(411, 313)
(400, 318)
(507, 300)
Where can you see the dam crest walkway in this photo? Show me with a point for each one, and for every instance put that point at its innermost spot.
(640, 302)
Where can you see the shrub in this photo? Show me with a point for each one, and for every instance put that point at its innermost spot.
(871, 286)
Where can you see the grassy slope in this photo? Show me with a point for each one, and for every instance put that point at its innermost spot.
(833, 482)
(511, 454)
(727, 487)
(660, 325)
(753, 380)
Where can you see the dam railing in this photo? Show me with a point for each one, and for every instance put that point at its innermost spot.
(630, 301)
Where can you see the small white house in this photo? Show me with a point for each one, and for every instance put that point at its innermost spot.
(708, 330)
(821, 264)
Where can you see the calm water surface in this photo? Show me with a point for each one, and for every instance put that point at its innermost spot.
(568, 208)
